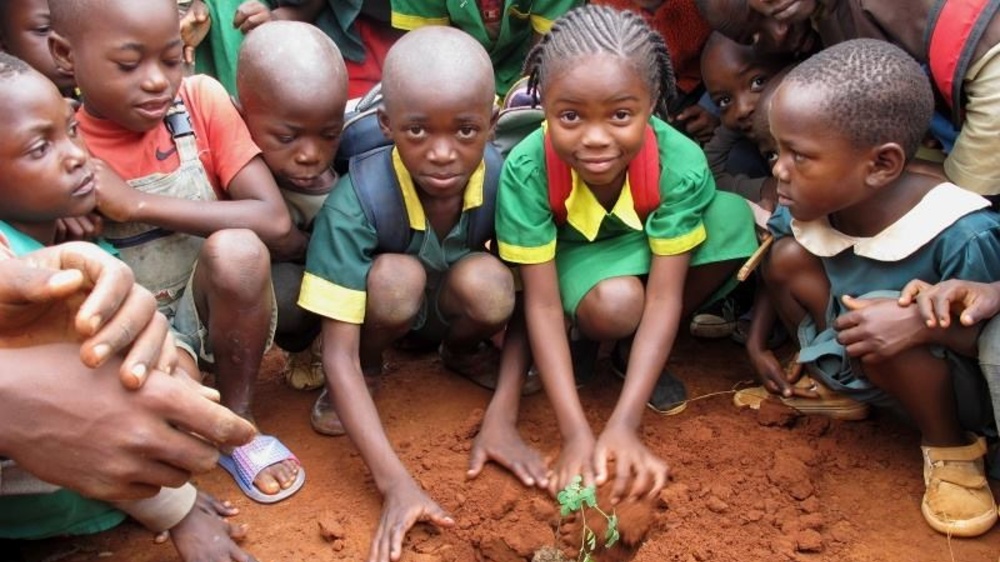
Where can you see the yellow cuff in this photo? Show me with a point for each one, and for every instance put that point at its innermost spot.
(522, 254)
(678, 244)
(331, 300)
(410, 22)
(541, 25)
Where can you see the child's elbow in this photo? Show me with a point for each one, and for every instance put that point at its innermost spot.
(283, 239)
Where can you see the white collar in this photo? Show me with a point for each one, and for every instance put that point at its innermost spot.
(939, 209)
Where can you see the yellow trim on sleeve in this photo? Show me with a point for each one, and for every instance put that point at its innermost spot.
(678, 244)
(524, 254)
(540, 24)
(331, 300)
(410, 22)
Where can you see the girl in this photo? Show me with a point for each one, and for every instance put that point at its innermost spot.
(614, 218)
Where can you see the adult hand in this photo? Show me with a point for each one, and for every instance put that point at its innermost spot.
(697, 122)
(633, 461)
(81, 429)
(876, 329)
(404, 505)
(77, 292)
(972, 302)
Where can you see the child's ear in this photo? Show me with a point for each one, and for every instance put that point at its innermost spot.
(886, 165)
(62, 52)
(383, 122)
(493, 120)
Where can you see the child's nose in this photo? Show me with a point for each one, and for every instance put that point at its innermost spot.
(308, 154)
(155, 79)
(595, 135)
(441, 151)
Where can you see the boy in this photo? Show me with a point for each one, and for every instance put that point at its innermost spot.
(25, 26)
(505, 28)
(292, 87)
(958, 41)
(857, 221)
(192, 172)
(438, 110)
(47, 174)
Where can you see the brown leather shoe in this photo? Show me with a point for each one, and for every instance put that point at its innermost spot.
(958, 501)
(482, 366)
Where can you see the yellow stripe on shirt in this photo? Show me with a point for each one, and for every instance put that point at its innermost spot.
(678, 244)
(527, 255)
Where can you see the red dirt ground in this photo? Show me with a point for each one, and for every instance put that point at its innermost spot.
(746, 486)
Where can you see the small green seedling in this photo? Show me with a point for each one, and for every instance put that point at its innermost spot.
(576, 497)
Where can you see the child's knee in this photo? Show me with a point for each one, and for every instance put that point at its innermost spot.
(786, 260)
(236, 263)
(482, 289)
(612, 309)
(395, 288)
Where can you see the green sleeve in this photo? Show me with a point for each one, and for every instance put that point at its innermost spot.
(340, 255)
(526, 232)
(411, 14)
(545, 12)
(686, 189)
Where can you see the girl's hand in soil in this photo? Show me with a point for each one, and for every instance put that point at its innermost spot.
(500, 442)
(631, 458)
(403, 506)
(575, 459)
(768, 370)
(972, 302)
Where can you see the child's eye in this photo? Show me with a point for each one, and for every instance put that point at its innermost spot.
(467, 132)
(758, 82)
(331, 135)
(73, 129)
(173, 62)
(414, 131)
(284, 139)
(569, 116)
(723, 101)
(622, 115)
(770, 156)
(127, 66)
(42, 30)
(39, 150)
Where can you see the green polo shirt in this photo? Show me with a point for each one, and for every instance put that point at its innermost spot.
(520, 19)
(344, 245)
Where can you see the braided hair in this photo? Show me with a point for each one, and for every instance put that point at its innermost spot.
(591, 30)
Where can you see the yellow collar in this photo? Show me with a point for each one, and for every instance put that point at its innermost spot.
(472, 198)
(586, 214)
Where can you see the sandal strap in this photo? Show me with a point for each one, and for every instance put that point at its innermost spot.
(970, 452)
(262, 452)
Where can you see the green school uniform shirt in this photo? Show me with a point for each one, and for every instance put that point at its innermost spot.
(520, 19)
(344, 245)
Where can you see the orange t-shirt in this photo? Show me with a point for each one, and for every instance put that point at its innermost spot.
(224, 143)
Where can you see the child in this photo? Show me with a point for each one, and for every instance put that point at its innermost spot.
(193, 172)
(505, 28)
(735, 76)
(858, 222)
(47, 174)
(25, 26)
(601, 74)
(958, 41)
(292, 87)
(433, 276)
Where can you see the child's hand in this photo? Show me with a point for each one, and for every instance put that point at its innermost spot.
(85, 228)
(575, 459)
(972, 301)
(194, 28)
(116, 199)
(501, 443)
(768, 370)
(696, 122)
(876, 329)
(250, 15)
(632, 460)
(403, 506)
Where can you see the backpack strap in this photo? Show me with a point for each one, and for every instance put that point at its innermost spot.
(483, 217)
(954, 28)
(643, 177)
(377, 188)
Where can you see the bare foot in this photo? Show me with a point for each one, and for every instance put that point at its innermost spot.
(204, 535)
(277, 477)
(500, 442)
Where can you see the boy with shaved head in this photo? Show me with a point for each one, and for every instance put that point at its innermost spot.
(438, 281)
(292, 87)
(198, 213)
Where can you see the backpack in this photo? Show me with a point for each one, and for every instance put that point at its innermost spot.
(954, 28)
(361, 131)
(377, 188)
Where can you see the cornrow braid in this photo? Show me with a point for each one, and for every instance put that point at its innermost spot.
(592, 29)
